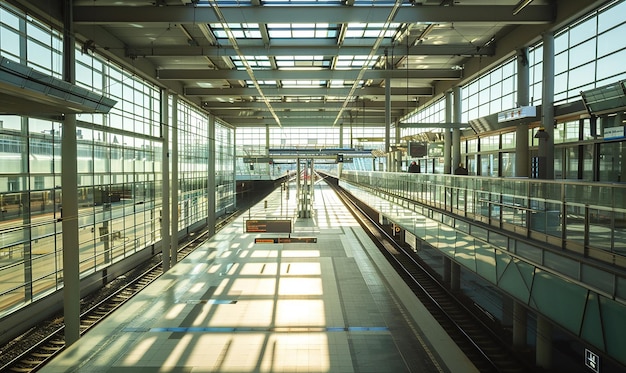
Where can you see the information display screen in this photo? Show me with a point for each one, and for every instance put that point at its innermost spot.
(268, 226)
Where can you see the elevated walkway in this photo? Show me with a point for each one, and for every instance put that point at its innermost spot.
(557, 248)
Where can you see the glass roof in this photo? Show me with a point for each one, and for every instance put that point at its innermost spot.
(302, 30)
(303, 62)
(304, 83)
(259, 62)
(242, 3)
(370, 30)
(274, 32)
(239, 30)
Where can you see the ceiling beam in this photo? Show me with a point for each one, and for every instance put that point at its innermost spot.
(433, 125)
(367, 91)
(312, 121)
(313, 106)
(349, 74)
(534, 14)
(303, 49)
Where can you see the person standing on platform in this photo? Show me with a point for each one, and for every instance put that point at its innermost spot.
(461, 170)
(414, 168)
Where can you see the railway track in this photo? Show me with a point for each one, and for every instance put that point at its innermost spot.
(483, 346)
(52, 342)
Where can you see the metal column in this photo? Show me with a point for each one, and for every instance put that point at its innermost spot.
(211, 182)
(165, 181)
(546, 144)
(175, 214)
(522, 164)
(544, 342)
(456, 132)
(519, 324)
(69, 190)
(447, 137)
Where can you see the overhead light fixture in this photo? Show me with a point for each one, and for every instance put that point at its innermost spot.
(521, 5)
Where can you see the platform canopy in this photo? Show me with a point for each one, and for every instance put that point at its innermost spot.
(311, 63)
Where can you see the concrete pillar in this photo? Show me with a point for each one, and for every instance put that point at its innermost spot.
(25, 211)
(519, 325)
(165, 181)
(447, 270)
(212, 171)
(175, 211)
(387, 122)
(69, 216)
(522, 163)
(447, 137)
(398, 163)
(546, 143)
(619, 121)
(456, 132)
(69, 190)
(543, 354)
(341, 135)
(455, 276)
(267, 145)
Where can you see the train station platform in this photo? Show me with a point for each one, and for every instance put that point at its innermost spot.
(329, 303)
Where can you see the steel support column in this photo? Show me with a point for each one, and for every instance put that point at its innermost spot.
(69, 190)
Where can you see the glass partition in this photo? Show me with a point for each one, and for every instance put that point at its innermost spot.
(579, 214)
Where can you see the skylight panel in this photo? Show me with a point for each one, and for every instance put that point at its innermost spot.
(239, 30)
(370, 30)
(335, 83)
(250, 83)
(303, 83)
(302, 30)
(380, 3)
(302, 2)
(224, 3)
(262, 62)
(302, 62)
(349, 62)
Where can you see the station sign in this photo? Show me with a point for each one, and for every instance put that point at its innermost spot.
(257, 160)
(285, 240)
(268, 226)
(614, 133)
(517, 113)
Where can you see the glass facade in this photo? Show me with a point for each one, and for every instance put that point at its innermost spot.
(255, 142)
(119, 169)
(491, 93)
(588, 54)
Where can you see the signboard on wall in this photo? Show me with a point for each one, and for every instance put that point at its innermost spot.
(517, 113)
(614, 133)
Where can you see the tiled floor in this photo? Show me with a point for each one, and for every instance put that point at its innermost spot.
(237, 306)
